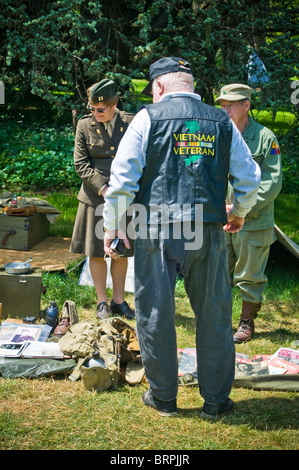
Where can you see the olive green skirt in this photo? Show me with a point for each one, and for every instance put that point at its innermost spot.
(87, 237)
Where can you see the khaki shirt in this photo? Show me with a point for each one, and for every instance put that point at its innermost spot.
(265, 151)
(94, 152)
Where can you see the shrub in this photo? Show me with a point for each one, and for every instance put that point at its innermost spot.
(36, 157)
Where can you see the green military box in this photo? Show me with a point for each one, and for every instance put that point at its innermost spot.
(20, 294)
(22, 233)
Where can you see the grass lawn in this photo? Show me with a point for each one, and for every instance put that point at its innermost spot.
(53, 413)
(287, 215)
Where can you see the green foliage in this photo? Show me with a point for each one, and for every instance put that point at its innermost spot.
(285, 126)
(55, 50)
(52, 51)
(67, 204)
(290, 157)
(36, 157)
(65, 286)
(40, 156)
(287, 204)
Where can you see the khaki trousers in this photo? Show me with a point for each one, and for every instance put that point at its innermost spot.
(248, 253)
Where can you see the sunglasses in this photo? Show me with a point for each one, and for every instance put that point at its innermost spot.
(99, 110)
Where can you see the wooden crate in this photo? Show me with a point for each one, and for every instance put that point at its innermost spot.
(22, 233)
(20, 294)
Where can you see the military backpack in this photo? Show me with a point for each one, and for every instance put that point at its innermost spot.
(100, 350)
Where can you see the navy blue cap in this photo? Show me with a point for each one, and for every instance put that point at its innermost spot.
(166, 65)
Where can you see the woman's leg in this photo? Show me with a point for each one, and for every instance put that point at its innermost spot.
(98, 271)
(118, 274)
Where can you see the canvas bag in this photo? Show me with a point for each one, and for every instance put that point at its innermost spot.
(83, 341)
(112, 342)
(79, 340)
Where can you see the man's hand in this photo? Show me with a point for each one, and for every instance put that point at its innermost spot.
(105, 189)
(234, 223)
(109, 236)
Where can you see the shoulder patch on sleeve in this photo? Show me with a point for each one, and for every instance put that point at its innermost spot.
(275, 148)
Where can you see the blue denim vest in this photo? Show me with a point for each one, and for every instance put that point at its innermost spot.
(187, 158)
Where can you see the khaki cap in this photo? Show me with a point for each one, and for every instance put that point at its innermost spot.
(235, 92)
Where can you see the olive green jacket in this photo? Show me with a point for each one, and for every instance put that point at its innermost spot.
(265, 151)
(93, 154)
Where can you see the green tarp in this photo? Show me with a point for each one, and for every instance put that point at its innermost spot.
(34, 368)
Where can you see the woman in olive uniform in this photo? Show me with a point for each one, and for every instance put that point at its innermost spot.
(97, 138)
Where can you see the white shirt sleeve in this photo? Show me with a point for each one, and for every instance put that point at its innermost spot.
(126, 170)
(244, 175)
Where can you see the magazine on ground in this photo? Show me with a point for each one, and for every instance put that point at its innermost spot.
(39, 349)
(20, 332)
(186, 361)
(283, 361)
(32, 349)
(11, 349)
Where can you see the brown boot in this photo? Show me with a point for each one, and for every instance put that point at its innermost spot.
(246, 325)
(69, 317)
(62, 327)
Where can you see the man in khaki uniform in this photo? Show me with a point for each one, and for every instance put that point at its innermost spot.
(248, 250)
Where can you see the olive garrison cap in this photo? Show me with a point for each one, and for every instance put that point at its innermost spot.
(166, 65)
(103, 90)
(235, 92)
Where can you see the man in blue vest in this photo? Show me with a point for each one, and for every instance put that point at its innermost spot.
(174, 163)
